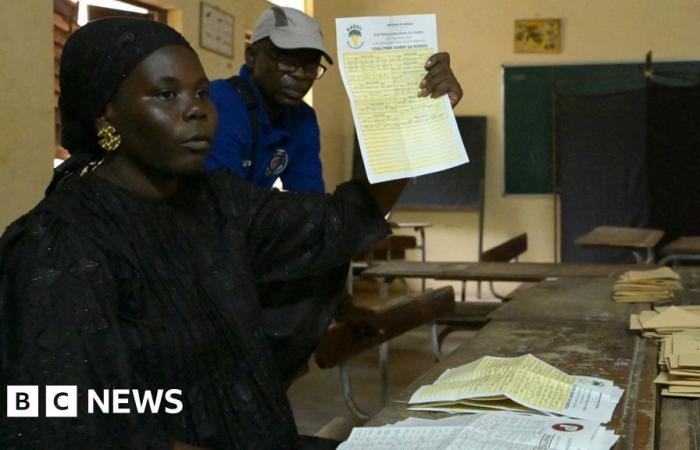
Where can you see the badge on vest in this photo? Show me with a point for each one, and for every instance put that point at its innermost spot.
(278, 163)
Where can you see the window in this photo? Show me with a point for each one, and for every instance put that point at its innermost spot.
(68, 15)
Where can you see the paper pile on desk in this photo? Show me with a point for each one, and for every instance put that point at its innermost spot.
(484, 431)
(679, 358)
(646, 285)
(524, 383)
(666, 320)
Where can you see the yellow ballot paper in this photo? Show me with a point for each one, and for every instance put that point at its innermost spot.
(382, 62)
(524, 380)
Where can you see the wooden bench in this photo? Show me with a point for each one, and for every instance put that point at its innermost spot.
(360, 329)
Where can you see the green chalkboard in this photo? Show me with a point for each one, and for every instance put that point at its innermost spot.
(529, 94)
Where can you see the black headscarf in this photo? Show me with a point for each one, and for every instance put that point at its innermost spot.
(95, 61)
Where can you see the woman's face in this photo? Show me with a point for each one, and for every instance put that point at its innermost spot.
(163, 113)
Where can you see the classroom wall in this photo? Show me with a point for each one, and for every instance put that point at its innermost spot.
(26, 81)
(184, 16)
(26, 105)
(479, 36)
(478, 33)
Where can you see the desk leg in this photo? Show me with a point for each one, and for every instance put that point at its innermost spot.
(641, 259)
(435, 340)
(638, 257)
(650, 256)
(421, 230)
(383, 366)
(384, 347)
(674, 259)
(347, 393)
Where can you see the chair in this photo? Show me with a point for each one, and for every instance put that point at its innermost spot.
(359, 329)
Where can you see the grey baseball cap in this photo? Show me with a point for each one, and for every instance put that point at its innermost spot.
(289, 28)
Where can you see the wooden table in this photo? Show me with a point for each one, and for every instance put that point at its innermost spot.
(635, 239)
(686, 248)
(572, 324)
(481, 271)
(495, 271)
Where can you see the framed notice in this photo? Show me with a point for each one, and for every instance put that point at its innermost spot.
(215, 30)
(538, 36)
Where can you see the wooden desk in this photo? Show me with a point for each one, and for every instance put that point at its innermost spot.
(686, 248)
(420, 228)
(635, 239)
(595, 341)
(495, 271)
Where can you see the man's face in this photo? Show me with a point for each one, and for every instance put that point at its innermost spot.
(283, 76)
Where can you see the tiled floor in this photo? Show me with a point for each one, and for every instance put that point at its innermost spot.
(316, 397)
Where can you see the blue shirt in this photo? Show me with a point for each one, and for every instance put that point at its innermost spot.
(289, 148)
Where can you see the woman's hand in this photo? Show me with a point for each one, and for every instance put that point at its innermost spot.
(440, 80)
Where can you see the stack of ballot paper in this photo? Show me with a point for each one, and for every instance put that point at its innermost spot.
(501, 430)
(646, 285)
(523, 383)
(679, 358)
(665, 320)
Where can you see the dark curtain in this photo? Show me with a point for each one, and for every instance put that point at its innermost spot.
(602, 172)
(673, 157)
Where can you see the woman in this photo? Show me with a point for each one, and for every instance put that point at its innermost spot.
(141, 273)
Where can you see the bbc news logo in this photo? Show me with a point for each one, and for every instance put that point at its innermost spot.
(62, 401)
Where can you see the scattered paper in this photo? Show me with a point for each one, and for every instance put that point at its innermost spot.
(679, 359)
(382, 62)
(666, 320)
(500, 430)
(523, 381)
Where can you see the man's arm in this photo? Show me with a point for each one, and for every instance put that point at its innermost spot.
(233, 134)
(304, 173)
(440, 80)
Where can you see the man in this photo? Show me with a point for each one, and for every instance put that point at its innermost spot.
(266, 131)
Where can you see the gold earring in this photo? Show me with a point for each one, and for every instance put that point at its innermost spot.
(110, 138)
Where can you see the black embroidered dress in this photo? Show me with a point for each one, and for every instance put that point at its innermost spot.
(104, 290)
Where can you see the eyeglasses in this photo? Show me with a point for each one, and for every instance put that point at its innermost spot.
(286, 64)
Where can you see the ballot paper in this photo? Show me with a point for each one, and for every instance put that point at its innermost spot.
(503, 430)
(523, 381)
(666, 320)
(679, 359)
(646, 286)
(382, 62)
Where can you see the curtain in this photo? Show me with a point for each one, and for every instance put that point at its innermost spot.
(602, 171)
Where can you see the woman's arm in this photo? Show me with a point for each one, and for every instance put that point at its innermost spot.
(59, 327)
(387, 193)
(182, 446)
